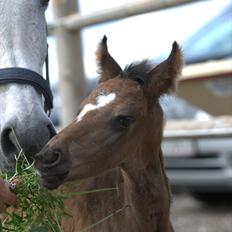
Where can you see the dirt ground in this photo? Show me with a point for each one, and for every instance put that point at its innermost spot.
(190, 215)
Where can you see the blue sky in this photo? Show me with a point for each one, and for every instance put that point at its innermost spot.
(139, 37)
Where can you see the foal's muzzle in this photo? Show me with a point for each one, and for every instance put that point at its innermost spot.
(51, 167)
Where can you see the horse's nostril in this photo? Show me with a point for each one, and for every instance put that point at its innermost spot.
(14, 137)
(8, 143)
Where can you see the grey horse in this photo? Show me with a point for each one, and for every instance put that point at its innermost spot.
(22, 44)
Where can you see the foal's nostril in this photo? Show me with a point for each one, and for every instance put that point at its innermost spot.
(52, 159)
(55, 157)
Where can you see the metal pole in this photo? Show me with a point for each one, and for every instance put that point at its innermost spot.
(71, 74)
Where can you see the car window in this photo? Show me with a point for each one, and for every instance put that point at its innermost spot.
(213, 42)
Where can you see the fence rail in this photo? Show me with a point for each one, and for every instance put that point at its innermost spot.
(198, 134)
(77, 21)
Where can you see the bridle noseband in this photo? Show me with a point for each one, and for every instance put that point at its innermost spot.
(26, 76)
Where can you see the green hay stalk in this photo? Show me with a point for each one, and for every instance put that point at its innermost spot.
(38, 209)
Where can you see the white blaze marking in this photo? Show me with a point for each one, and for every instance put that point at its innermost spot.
(102, 100)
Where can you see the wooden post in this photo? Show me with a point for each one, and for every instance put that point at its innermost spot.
(72, 84)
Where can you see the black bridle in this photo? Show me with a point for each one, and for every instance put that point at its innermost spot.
(26, 76)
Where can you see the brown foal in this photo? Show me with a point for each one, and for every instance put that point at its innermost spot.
(115, 142)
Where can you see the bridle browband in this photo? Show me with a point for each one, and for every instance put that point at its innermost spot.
(26, 76)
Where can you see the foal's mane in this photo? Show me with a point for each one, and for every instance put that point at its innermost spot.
(138, 71)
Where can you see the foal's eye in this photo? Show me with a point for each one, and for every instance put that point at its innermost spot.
(124, 122)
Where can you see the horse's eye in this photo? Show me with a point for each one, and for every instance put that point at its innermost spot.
(124, 122)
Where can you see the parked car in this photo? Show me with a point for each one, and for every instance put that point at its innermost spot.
(213, 41)
(203, 166)
(200, 165)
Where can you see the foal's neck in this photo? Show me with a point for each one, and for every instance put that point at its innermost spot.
(145, 186)
(144, 178)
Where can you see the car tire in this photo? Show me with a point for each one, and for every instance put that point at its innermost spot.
(213, 198)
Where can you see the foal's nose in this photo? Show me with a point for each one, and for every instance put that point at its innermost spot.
(30, 136)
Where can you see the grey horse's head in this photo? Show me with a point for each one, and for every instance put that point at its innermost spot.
(22, 44)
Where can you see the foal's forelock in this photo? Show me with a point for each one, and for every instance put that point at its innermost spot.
(138, 71)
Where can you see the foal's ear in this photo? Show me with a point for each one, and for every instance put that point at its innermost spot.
(108, 67)
(163, 78)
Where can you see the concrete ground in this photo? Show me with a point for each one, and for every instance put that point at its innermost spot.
(190, 215)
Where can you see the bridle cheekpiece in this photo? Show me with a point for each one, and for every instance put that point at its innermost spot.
(26, 76)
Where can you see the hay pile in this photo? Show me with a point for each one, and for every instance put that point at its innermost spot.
(38, 209)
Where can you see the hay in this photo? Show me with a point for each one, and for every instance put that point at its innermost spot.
(38, 209)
